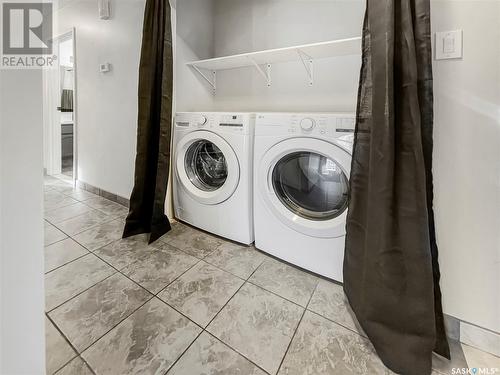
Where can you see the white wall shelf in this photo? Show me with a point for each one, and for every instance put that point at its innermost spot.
(263, 60)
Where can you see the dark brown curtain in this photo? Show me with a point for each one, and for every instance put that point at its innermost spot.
(147, 202)
(391, 270)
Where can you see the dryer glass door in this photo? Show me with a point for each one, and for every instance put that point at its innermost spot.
(304, 183)
(311, 185)
(206, 165)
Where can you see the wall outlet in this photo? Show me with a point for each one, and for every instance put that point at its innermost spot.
(448, 45)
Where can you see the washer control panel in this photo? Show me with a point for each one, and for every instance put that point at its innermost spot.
(186, 120)
(231, 121)
(200, 120)
(216, 121)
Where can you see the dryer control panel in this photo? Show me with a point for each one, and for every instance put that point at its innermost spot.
(321, 125)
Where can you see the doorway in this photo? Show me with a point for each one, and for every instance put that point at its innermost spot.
(60, 111)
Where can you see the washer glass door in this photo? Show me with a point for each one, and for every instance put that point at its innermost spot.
(206, 165)
(311, 185)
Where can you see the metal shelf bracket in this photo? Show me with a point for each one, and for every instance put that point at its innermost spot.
(212, 82)
(266, 74)
(307, 61)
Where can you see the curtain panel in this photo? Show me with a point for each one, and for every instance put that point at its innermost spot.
(391, 270)
(147, 202)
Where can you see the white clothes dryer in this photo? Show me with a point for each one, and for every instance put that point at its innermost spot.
(302, 165)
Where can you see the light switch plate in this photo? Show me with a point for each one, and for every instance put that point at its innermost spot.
(448, 45)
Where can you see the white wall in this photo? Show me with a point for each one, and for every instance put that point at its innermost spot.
(106, 103)
(467, 162)
(194, 41)
(252, 25)
(22, 340)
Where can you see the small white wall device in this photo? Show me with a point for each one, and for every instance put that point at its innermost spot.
(104, 10)
(449, 45)
(104, 68)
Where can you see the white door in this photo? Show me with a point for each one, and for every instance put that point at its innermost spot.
(304, 182)
(207, 167)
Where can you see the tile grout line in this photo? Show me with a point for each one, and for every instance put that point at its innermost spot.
(229, 272)
(85, 204)
(71, 345)
(75, 188)
(76, 295)
(205, 330)
(69, 218)
(337, 323)
(82, 245)
(92, 210)
(75, 352)
(297, 327)
(177, 278)
(276, 294)
(82, 359)
(236, 351)
(48, 210)
(250, 283)
(88, 365)
(53, 243)
(101, 209)
(247, 280)
(222, 308)
(184, 352)
(71, 261)
(227, 302)
(111, 218)
(110, 265)
(152, 296)
(95, 227)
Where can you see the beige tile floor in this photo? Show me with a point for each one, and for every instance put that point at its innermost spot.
(190, 304)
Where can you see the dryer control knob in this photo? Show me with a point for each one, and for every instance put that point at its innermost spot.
(307, 124)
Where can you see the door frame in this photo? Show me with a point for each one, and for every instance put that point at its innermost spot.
(52, 155)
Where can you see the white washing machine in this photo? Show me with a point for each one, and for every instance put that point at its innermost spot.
(213, 171)
(302, 165)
